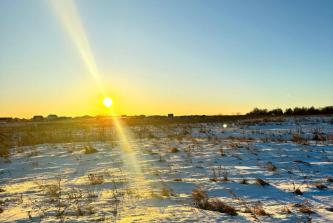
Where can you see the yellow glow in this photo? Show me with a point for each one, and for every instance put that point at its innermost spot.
(107, 102)
(127, 147)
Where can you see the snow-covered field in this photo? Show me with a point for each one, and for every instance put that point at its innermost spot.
(150, 172)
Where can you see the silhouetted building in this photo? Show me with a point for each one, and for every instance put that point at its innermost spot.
(63, 118)
(52, 116)
(38, 118)
(6, 119)
(170, 115)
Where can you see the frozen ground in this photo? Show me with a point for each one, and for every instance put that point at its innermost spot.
(143, 178)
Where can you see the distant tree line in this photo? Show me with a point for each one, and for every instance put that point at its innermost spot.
(328, 110)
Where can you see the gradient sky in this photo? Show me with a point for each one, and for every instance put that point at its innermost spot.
(158, 57)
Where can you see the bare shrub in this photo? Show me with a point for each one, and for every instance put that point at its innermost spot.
(221, 152)
(95, 179)
(329, 179)
(285, 210)
(319, 137)
(174, 150)
(298, 191)
(326, 159)
(258, 209)
(270, 166)
(177, 179)
(320, 186)
(306, 209)
(53, 191)
(329, 209)
(167, 192)
(261, 182)
(90, 149)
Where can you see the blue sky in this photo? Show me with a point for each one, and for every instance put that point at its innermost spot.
(157, 57)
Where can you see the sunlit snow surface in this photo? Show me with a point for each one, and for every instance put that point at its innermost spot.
(132, 182)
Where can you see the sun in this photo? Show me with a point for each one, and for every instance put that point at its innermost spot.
(107, 102)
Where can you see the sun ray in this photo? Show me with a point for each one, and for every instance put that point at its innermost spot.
(70, 18)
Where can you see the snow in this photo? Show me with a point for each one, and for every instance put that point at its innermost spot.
(132, 182)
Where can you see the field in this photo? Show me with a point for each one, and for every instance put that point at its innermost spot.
(255, 170)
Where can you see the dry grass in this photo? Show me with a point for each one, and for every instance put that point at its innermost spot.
(205, 203)
(95, 179)
(222, 152)
(89, 150)
(90, 210)
(75, 193)
(225, 175)
(299, 139)
(285, 210)
(166, 192)
(20, 150)
(91, 194)
(153, 194)
(199, 194)
(214, 178)
(258, 209)
(306, 209)
(52, 191)
(33, 153)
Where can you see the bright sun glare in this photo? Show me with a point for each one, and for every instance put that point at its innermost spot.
(107, 102)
